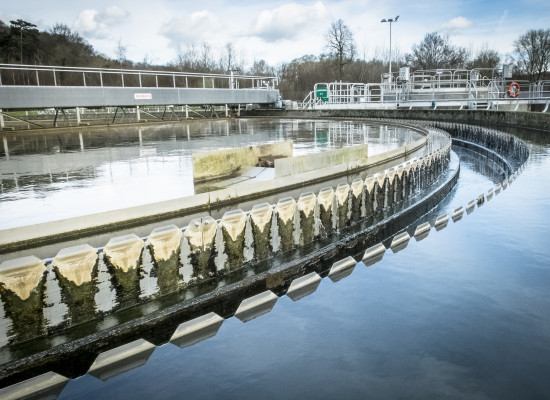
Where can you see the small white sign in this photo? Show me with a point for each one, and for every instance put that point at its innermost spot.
(143, 96)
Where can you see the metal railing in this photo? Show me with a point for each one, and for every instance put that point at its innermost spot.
(446, 88)
(42, 75)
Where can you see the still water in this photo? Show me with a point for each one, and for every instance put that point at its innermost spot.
(462, 314)
(51, 176)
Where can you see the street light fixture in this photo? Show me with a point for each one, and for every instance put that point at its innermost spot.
(390, 20)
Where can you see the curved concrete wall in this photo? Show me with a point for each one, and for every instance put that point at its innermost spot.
(483, 117)
(129, 269)
(190, 331)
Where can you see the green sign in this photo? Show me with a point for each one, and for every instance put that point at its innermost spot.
(322, 93)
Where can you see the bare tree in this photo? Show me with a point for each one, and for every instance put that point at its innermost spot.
(340, 44)
(206, 58)
(532, 53)
(485, 58)
(261, 68)
(227, 60)
(436, 51)
(120, 51)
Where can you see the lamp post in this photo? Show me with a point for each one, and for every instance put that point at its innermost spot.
(390, 20)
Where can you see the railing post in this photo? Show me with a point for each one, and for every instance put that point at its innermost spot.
(186, 109)
(138, 115)
(122, 76)
(203, 83)
(37, 79)
(2, 126)
(101, 78)
(186, 83)
(139, 75)
(84, 78)
(226, 111)
(54, 78)
(157, 80)
(174, 79)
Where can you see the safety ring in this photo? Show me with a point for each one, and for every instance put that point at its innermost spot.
(513, 89)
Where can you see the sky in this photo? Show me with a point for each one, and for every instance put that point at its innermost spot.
(279, 31)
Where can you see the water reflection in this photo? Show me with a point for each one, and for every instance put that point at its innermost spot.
(49, 176)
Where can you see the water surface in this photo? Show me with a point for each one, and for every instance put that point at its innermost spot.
(51, 176)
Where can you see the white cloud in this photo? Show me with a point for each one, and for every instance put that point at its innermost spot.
(97, 24)
(287, 21)
(457, 24)
(113, 15)
(198, 26)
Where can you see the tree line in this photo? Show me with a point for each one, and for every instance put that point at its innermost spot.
(22, 43)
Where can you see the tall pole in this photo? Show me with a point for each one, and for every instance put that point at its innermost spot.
(390, 48)
(390, 20)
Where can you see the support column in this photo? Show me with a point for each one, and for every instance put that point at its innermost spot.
(239, 110)
(78, 115)
(186, 112)
(138, 115)
(2, 126)
(6, 149)
(226, 111)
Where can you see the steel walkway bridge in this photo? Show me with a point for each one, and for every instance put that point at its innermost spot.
(24, 87)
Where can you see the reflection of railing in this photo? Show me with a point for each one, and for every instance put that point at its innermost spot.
(38, 75)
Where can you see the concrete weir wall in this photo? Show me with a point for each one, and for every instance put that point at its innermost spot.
(130, 269)
(534, 120)
(216, 164)
(355, 155)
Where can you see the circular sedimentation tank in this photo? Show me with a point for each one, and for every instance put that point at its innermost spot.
(239, 256)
